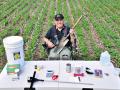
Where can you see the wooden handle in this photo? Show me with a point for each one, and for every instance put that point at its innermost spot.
(77, 21)
(73, 27)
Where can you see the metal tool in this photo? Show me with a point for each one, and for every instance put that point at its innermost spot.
(79, 79)
(58, 81)
(64, 40)
(31, 80)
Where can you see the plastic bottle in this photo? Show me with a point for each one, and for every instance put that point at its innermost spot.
(105, 58)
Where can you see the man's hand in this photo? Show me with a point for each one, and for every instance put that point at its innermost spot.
(72, 31)
(72, 36)
(48, 42)
(50, 45)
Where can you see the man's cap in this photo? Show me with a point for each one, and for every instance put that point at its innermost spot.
(59, 17)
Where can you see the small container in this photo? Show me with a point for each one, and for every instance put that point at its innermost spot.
(68, 68)
(77, 70)
(49, 73)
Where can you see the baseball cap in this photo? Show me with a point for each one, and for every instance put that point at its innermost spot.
(59, 17)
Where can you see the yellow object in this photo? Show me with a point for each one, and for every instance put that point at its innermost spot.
(38, 69)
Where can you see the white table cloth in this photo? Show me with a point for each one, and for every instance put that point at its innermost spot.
(111, 82)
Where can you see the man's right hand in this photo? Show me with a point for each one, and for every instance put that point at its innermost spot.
(50, 45)
(48, 42)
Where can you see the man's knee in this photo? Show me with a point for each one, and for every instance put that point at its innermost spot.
(53, 55)
(65, 54)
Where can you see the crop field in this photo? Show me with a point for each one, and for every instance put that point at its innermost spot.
(98, 30)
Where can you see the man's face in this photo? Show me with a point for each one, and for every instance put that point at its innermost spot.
(59, 23)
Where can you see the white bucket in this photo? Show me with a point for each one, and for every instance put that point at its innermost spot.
(14, 50)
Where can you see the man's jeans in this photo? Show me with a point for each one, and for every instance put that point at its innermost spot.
(65, 54)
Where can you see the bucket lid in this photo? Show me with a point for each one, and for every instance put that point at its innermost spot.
(13, 40)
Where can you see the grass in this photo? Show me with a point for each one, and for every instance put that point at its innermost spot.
(30, 16)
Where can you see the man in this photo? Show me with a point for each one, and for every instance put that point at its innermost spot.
(53, 37)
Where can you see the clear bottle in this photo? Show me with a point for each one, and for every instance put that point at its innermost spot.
(105, 58)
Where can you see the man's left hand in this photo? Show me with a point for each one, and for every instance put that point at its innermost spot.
(72, 31)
